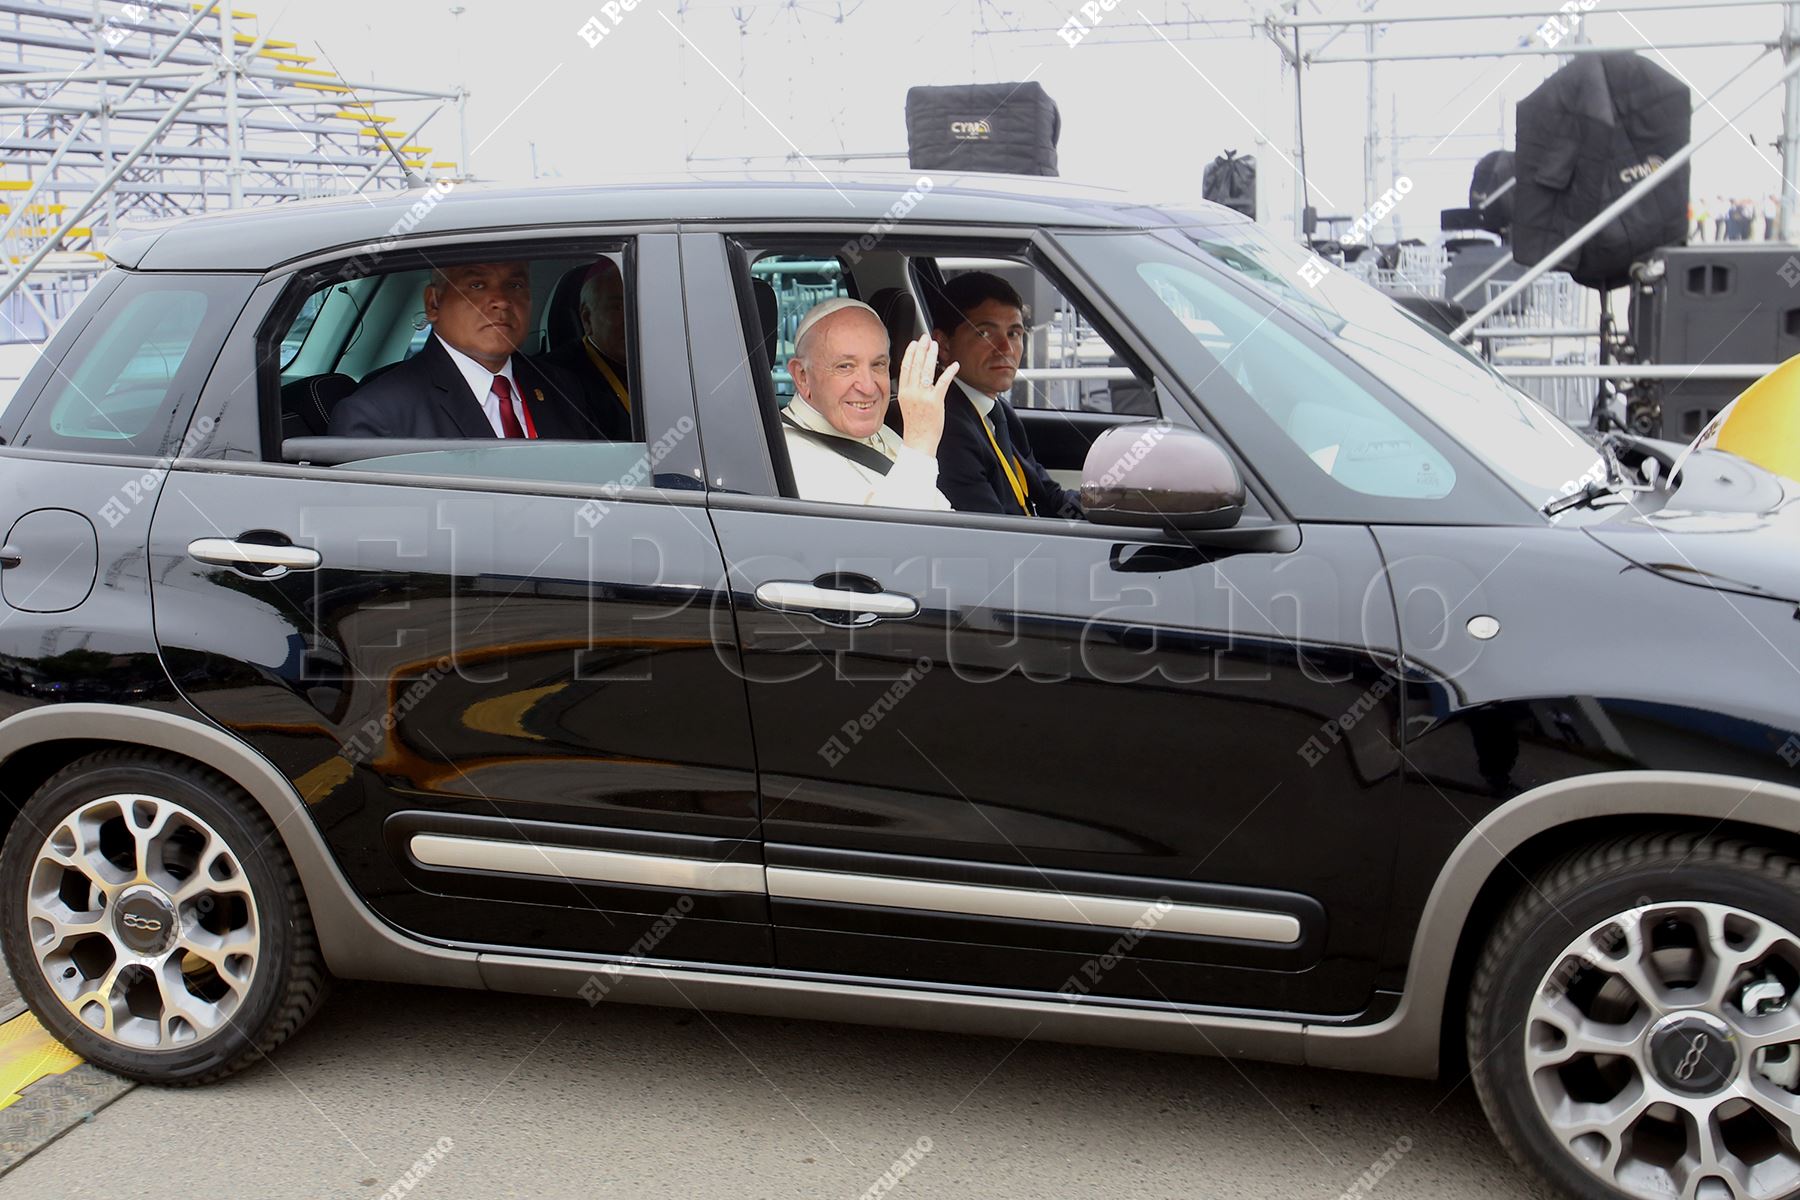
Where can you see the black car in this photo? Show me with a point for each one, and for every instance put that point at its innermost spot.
(1395, 726)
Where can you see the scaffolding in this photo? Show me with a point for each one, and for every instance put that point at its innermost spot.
(118, 112)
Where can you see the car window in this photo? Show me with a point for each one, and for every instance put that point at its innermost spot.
(1067, 364)
(136, 367)
(351, 352)
(1349, 434)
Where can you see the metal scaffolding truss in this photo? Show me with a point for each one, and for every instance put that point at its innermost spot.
(112, 112)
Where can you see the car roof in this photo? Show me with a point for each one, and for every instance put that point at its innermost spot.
(263, 237)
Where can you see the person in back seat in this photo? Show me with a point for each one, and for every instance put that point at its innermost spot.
(598, 359)
(468, 381)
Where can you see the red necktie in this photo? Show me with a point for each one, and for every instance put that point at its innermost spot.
(509, 420)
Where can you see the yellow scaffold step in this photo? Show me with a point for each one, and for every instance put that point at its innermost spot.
(27, 1054)
(443, 166)
(235, 14)
(97, 255)
(392, 133)
(307, 71)
(46, 231)
(284, 55)
(416, 151)
(41, 210)
(316, 87)
(409, 162)
(244, 39)
(15, 185)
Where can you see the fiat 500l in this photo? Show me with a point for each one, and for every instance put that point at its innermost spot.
(1370, 718)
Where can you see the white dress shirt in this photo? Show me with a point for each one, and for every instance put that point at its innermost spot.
(481, 382)
(823, 474)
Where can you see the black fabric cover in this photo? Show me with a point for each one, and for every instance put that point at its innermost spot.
(1231, 181)
(1009, 128)
(1587, 135)
(1491, 174)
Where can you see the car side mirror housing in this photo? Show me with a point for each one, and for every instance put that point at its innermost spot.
(1157, 475)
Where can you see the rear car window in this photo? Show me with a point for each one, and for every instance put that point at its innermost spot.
(128, 382)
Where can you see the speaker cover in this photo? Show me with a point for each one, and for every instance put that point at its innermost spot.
(1587, 135)
(1010, 128)
(1231, 181)
(1493, 172)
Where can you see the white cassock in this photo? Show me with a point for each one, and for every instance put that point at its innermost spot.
(822, 474)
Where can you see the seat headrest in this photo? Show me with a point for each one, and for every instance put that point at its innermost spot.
(311, 399)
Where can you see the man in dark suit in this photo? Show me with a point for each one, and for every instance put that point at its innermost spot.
(468, 381)
(598, 359)
(985, 462)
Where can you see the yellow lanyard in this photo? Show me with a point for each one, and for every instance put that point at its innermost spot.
(617, 387)
(1015, 479)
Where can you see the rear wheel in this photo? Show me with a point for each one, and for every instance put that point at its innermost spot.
(153, 921)
(1634, 1022)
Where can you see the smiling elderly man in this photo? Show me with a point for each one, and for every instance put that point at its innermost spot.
(836, 440)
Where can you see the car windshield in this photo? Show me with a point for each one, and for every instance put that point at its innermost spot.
(1535, 453)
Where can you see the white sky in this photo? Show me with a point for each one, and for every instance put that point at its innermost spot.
(1143, 115)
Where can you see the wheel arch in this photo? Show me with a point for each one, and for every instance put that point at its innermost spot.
(1527, 832)
(355, 942)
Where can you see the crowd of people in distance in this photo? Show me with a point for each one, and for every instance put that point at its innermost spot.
(1722, 220)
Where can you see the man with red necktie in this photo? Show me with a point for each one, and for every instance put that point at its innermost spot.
(468, 380)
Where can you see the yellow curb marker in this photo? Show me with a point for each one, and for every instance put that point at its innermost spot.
(27, 1054)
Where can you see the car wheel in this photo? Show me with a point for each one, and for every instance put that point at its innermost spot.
(1635, 1026)
(153, 921)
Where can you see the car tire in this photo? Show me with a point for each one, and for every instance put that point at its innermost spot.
(153, 921)
(1634, 1016)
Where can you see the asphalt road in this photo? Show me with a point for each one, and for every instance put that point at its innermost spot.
(540, 1098)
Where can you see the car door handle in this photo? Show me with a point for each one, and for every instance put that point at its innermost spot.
(794, 596)
(226, 552)
(10, 557)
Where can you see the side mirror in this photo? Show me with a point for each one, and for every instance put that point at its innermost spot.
(1159, 475)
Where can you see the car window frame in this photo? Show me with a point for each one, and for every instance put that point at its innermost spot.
(741, 460)
(242, 434)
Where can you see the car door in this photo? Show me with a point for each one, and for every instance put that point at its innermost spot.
(1032, 754)
(494, 674)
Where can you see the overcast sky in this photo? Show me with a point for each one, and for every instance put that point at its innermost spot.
(1143, 108)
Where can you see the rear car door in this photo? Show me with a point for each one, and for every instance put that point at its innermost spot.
(1085, 764)
(494, 674)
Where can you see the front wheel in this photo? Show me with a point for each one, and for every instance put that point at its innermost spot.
(153, 921)
(1634, 1022)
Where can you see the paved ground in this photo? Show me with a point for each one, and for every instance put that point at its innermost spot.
(546, 1098)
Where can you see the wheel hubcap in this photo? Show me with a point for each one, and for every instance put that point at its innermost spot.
(1663, 1051)
(143, 922)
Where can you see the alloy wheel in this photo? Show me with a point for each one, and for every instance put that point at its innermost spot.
(1662, 1047)
(143, 921)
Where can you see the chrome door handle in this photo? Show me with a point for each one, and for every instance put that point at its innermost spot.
(10, 557)
(225, 552)
(793, 596)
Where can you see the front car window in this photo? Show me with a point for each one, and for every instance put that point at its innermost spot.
(1532, 451)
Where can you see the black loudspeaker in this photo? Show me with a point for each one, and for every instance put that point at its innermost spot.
(1717, 304)
(1586, 136)
(1009, 128)
(1231, 181)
